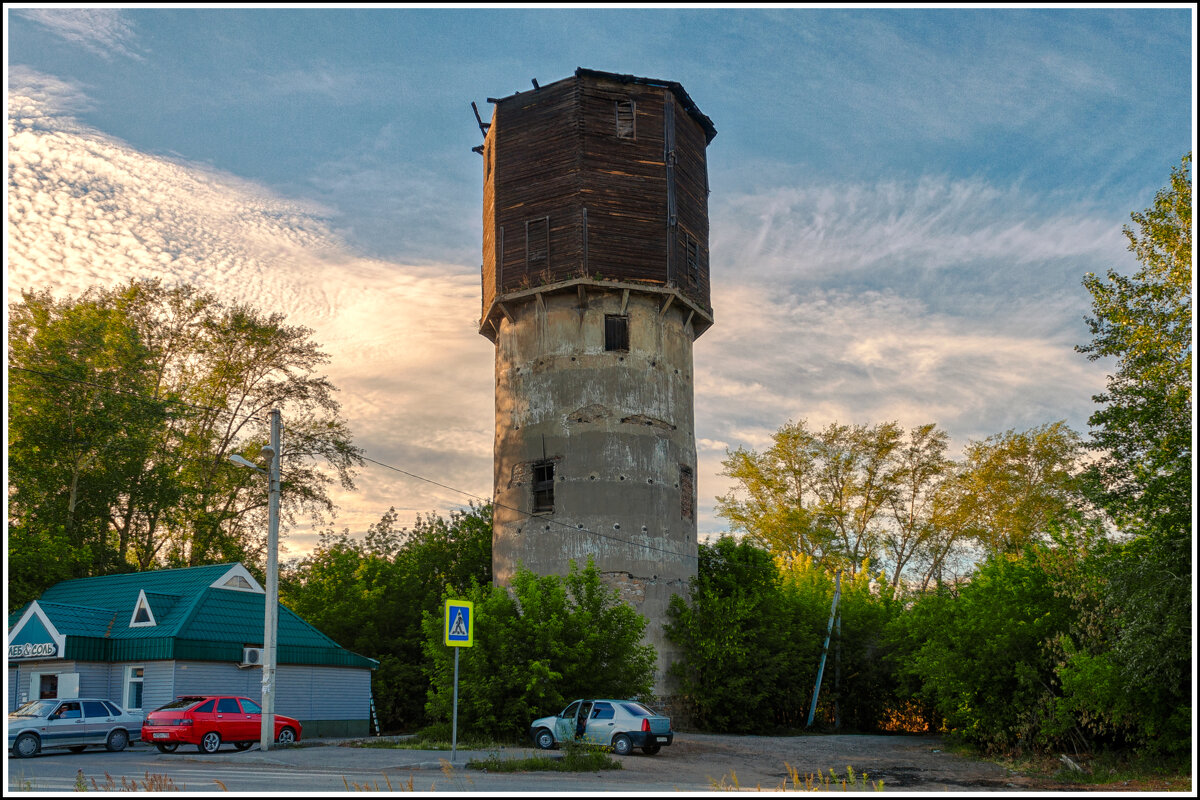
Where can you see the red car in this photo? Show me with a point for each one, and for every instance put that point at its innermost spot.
(208, 720)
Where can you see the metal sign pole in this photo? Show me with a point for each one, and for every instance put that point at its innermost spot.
(454, 725)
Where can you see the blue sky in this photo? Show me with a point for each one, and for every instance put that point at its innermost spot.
(904, 201)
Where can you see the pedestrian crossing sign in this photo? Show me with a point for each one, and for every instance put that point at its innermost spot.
(459, 632)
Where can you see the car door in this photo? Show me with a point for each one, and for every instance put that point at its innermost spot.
(564, 726)
(65, 726)
(600, 723)
(231, 721)
(253, 713)
(97, 722)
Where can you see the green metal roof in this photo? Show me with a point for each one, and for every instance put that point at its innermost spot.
(193, 620)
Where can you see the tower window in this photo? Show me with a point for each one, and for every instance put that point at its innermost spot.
(691, 254)
(537, 244)
(687, 493)
(616, 333)
(626, 119)
(543, 486)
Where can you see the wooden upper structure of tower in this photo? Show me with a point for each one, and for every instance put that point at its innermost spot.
(599, 179)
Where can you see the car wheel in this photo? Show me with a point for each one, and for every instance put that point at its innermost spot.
(117, 741)
(210, 743)
(242, 745)
(621, 745)
(79, 748)
(651, 749)
(544, 739)
(27, 745)
(167, 748)
(287, 736)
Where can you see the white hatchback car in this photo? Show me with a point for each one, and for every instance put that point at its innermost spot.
(73, 723)
(619, 724)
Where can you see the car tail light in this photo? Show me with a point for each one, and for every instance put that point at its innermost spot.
(184, 721)
(645, 725)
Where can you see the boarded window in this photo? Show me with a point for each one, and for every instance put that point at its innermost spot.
(616, 333)
(691, 256)
(626, 119)
(543, 486)
(537, 244)
(687, 492)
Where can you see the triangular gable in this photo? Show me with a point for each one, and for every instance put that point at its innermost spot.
(238, 579)
(143, 614)
(35, 636)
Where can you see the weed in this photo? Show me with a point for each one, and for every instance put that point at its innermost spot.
(450, 773)
(151, 783)
(815, 782)
(577, 757)
(368, 787)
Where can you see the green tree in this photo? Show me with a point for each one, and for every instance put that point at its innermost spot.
(981, 656)
(369, 593)
(1143, 430)
(538, 644)
(738, 641)
(920, 466)
(124, 405)
(1015, 488)
(817, 493)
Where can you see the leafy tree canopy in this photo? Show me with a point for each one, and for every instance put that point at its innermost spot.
(124, 405)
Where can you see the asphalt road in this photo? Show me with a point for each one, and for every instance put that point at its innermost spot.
(694, 763)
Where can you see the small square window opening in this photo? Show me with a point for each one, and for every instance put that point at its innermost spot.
(616, 333)
(543, 486)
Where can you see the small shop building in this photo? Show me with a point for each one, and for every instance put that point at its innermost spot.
(142, 639)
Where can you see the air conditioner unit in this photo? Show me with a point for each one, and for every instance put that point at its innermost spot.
(252, 657)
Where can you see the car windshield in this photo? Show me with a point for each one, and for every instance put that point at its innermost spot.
(637, 709)
(35, 708)
(182, 702)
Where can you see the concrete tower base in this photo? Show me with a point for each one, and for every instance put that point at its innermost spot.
(595, 445)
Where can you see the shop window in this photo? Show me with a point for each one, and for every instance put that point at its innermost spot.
(543, 486)
(626, 119)
(616, 333)
(134, 677)
(47, 687)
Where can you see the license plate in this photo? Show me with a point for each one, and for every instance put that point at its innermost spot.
(662, 738)
(161, 735)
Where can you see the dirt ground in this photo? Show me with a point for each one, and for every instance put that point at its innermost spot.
(903, 763)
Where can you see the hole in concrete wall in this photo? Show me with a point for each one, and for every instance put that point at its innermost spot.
(591, 477)
(643, 529)
(649, 480)
(616, 526)
(621, 478)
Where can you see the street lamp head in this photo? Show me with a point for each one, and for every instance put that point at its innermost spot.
(241, 462)
(267, 452)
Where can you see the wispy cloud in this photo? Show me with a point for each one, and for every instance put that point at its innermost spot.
(104, 31)
(415, 377)
(947, 301)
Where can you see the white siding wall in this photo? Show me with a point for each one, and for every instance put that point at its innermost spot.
(304, 692)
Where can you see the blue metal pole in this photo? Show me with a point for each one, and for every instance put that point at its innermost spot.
(837, 592)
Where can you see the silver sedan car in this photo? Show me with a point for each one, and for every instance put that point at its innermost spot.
(73, 723)
(619, 724)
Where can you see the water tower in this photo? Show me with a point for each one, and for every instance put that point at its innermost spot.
(595, 286)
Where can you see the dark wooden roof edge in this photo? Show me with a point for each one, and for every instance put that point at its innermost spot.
(676, 88)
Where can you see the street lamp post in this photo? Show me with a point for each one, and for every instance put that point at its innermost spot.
(271, 615)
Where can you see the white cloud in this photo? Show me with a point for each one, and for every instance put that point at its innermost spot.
(415, 376)
(104, 31)
(942, 301)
